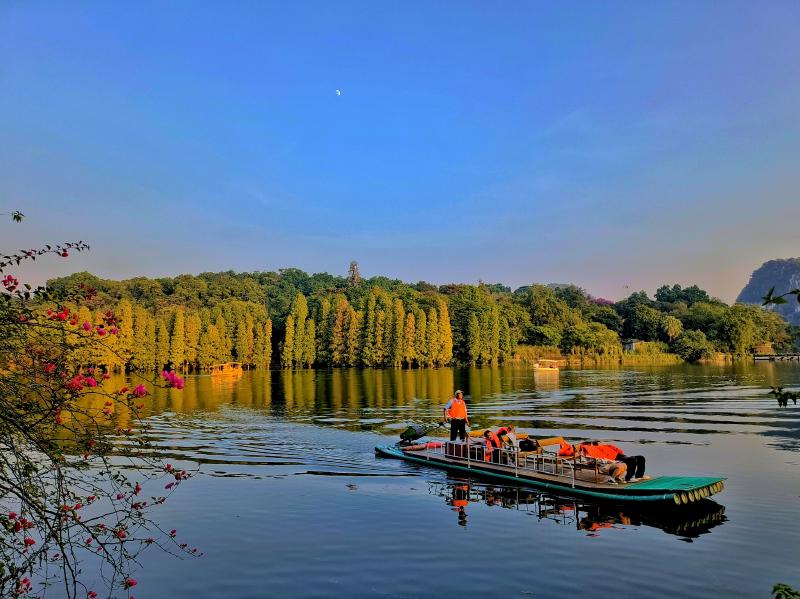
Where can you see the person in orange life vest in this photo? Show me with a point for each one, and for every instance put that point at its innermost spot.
(460, 501)
(492, 443)
(606, 465)
(456, 413)
(606, 451)
(508, 436)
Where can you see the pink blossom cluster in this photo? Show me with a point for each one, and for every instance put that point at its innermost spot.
(10, 283)
(172, 379)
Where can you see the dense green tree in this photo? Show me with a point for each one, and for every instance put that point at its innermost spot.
(693, 346)
(643, 323)
(671, 327)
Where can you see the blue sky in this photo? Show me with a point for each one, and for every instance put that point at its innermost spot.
(605, 144)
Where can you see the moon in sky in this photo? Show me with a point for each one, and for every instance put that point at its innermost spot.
(338, 92)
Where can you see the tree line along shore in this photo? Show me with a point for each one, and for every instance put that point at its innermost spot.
(290, 319)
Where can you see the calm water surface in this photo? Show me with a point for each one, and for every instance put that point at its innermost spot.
(292, 502)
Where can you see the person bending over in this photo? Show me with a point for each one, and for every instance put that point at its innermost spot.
(606, 451)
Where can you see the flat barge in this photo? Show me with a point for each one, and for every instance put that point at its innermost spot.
(548, 471)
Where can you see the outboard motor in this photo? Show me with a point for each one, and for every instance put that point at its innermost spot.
(412, 433)
(416, 431)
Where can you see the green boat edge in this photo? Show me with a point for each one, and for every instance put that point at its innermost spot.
(633, 492)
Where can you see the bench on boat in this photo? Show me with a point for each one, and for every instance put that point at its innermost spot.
(576, 461)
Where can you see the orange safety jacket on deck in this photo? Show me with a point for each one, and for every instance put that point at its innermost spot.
(604, 451)
(492, 443)
(458, 411)
(565, 449)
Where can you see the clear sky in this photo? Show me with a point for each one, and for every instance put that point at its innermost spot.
(601, 143)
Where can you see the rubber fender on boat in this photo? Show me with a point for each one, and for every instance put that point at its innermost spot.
(434, 444)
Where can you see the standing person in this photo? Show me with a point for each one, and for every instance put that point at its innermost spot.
(456, 413)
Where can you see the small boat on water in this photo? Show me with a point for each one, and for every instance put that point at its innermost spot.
(546, 366)
(544, 469)
(228, 369)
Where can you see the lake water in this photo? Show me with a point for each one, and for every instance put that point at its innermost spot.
(292, 502)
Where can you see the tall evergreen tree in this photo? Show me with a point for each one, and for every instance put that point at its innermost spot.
(144, 331)
(267, 356)
(445, 333)
(192, 327)
(162, 344)
(339, 331)
(177, 340)
(288, 349)
(368, 330)
(473, 339)
(399, 324)
(300, 314)
(324, 322)
(354, 324)
(421, 348)
(432, 337)
(244, 340)
(309, 352)
(409, 339)
(378, 350)
(125, 339)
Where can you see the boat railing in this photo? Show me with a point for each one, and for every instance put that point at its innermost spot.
(522, 462)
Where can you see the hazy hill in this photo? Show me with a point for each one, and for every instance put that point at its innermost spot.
(783, 274)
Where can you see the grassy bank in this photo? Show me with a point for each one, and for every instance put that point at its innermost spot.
(649, 354)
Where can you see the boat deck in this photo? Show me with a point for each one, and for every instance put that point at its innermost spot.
(548, 471)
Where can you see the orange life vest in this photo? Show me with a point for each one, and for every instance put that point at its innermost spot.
(458, 411)
(606, 451)
(492, 443)
(565, 449)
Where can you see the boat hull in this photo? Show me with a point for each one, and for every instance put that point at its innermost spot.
(678, 490)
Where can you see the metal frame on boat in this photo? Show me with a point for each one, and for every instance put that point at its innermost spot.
(547, 470)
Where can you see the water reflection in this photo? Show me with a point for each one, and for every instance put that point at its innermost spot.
(687, 523)
(668, 404)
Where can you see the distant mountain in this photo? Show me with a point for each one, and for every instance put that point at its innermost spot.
(783, 274)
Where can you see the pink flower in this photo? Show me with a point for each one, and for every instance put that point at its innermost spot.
(114, 330)
(140, 391)
(130, 582)
(101, 331)
(120, 495)
(137, 489)
(168, 486)
(90, 382)
(28, 541)
(12, 515)
(91, 595)
(87, 326)
(173, 532)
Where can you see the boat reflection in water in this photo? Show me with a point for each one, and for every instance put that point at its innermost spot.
(686, 523)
